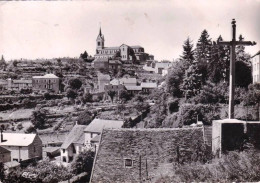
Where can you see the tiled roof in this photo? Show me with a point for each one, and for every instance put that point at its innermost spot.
(149, 85)
(115, 62)
(98, 124)
(111, 48)
(136, 46)
(101, 59)
(3, 150)
(47, 76)
(115, 82)
(76, 135)
(149, 150)
(17, 139)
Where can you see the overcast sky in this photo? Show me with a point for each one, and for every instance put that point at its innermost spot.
(45, 29)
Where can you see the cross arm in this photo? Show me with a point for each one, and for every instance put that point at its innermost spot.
(250, 43)
(224, 43)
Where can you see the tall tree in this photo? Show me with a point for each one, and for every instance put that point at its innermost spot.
(218, 67)
(203, 54)
(188, 53)
(192, 81)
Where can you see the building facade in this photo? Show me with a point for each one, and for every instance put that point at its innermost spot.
(19, 84)
(22, 146)
(5, 155)
(255, 67)
(48, 82)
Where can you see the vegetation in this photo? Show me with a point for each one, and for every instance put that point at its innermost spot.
(39, 118)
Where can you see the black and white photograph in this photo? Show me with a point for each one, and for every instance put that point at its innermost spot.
(140, 91)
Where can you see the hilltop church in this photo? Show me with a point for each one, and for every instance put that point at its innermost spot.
(127, 54)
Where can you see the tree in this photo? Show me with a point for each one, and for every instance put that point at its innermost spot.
(128, 123)
(192, 81)
(188, 53)
(83, 162)
(71, 94)
(75, 83)
(2, 171)
(243, 74)
(87, 97)
(241, 55)
(218, 67)
(174, 78)
(111, 94)
(253, 96)
(39, 118)
(125, 95)
(84, 56)
(203, 54)
(84, 118)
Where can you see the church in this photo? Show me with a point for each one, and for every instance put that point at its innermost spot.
(127, 54)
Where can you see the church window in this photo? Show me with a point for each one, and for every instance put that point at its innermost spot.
(98, 43)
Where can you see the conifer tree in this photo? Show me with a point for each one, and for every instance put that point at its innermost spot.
(192, 81)
(218, 67)
(188, 53)
(203, 54)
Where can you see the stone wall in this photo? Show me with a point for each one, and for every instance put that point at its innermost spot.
(147, 148)
(35, 149)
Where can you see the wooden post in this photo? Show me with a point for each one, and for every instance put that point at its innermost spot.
(140, 168)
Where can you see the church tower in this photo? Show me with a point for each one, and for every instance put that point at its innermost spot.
(100, 40)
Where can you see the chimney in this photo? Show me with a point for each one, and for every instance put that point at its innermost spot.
(2, 138)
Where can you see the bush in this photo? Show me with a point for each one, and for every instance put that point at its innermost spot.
(84, 118)
(83, 162)
(30, 129)
(38, 118)
(189, 113)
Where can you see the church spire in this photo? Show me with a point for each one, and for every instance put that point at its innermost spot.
(100, 33)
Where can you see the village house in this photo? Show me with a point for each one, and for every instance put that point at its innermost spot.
(22, 146)
(103, 79)
(115, 88)
(48, 82)
(255, 67)
(73, 144)
(157, 67)
(18, 84)
(148, 87)
(95, 128)
(134, 89)
(139, 155)
(5, 155)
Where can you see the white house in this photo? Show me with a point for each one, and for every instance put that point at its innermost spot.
(22, 146)
(255, 67)
(95, 128)
(73, 144)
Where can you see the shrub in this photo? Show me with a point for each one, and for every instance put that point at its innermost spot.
(84, 118)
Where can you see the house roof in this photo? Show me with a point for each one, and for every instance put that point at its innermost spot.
(11, 164)
(3, 150)
(46, 76)
(17, 139)
(115, 62)
(151, 148)
(136, 46)
(111, 48)
(101, 59)
(22, 81)
(149, 85)
(128, 80)
(76, 135)
(115, 82)
(98, 124)
(133, 88)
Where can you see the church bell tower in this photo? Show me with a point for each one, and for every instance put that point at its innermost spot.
(100, 40)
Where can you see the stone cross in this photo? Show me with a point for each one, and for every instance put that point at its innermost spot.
(232, 45)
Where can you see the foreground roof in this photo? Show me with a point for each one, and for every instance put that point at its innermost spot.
(17, 139)
(97, 125)
(148, 149)
(149, 85)
(76, 135)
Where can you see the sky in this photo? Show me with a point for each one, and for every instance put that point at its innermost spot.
(51, 29)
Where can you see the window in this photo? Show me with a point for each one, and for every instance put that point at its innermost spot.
(98, 43)
(34, 149)
(14, 159)
(63, 150)
(128, 163)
